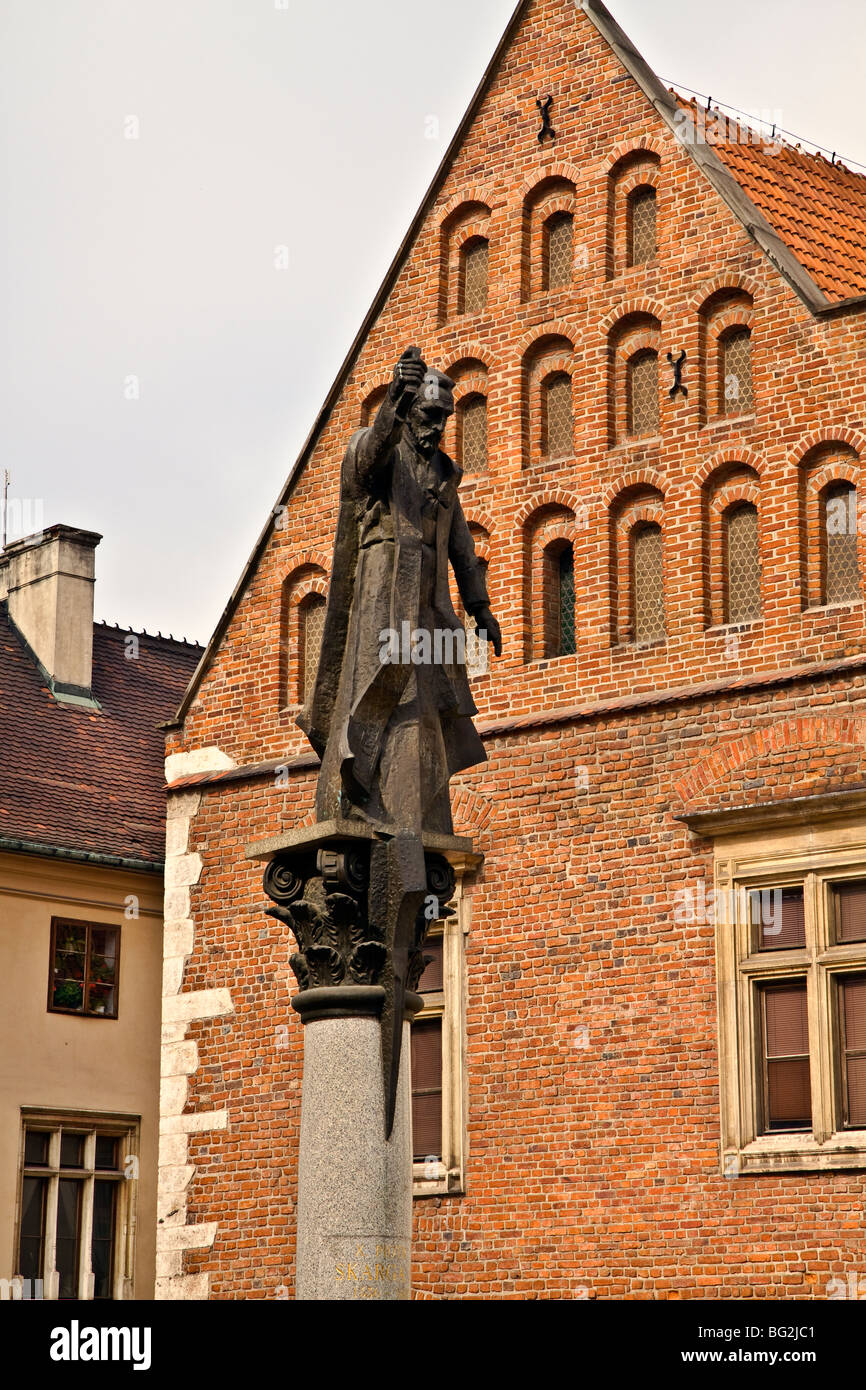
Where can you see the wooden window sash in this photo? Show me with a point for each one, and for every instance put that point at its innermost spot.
(58, 923)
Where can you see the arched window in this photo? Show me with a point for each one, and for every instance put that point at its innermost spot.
(311, 627)
(474, 258)
(742, 561)
(642, 390)
(557, 421)
(641, 226)
(841, 568)
(472, 427)
(559, 634)
(735, 373)
(647, 583)
(558, 251)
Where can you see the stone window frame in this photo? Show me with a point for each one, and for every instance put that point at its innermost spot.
(127, 1130)
(308, 576)
(730, 486)
(822, 467)
(816, 845)
(648, 507)
(449, 1179)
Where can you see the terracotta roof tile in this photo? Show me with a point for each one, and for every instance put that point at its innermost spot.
(83, 779)
(817, 208)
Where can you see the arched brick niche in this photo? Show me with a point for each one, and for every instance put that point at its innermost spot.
(832, 537)
(726, 354)
(731, 546)
(637, 560)
(549, 618)
(464, 261)
(548, 399)
(550, 237)
(634, 387)
(302, 602)
(467, 437)
(635, 210)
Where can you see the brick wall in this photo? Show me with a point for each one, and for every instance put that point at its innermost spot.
(595, 1168)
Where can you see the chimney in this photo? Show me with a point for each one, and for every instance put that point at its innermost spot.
(49, 580)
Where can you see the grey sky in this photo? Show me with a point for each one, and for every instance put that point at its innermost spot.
(259, 127)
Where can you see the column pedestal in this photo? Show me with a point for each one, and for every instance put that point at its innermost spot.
(359, 903)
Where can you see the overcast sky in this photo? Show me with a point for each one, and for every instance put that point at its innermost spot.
(159, 373)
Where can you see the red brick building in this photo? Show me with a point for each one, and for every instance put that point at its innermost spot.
(642, 1072)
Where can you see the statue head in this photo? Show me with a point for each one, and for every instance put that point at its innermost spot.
(430, 410)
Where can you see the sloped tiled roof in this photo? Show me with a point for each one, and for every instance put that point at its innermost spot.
(89, 780)
(817, 208)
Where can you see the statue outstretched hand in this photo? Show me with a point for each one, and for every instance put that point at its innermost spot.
(486, 623)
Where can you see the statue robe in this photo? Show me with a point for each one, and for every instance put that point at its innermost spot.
(391, 734)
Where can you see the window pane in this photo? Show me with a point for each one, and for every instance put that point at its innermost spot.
(103, 942)
(736, 376)
(473, 299)
(432, 978)
(557, 422)
(786, 1057)
(853, 1020)
(742, 564)
(642, 226)
(104, 1197)
(558, 250)
(648, 584)
(311, 634)
(71, 937)
(30, 1247)
(100, 999)
(67, 995)
(427, 1088)
(71, 1150)
(841, 566)
(35, 1147)
(779, 918)
(849, 910)
(473, 445)
(66, 1257)
(566, 602)
(106, 1151)
(643, 394)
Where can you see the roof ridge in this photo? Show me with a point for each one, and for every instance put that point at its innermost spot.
(143, 632)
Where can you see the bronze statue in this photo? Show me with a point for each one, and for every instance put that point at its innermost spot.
(391, 710)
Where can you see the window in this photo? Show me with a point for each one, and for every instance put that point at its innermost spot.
(558, 251)
(642, 226)
(559, 634)
(742, 563)
(841, 567)
(472, 417)
(438, 1057)
(735, 373)
(75, 1210)
(790, 915)
(647, 583)
(642, 387)
(473, 276)
(557, 425)
(311, 632)
(84, 968)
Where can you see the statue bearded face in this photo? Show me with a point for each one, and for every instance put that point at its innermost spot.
(427, 421)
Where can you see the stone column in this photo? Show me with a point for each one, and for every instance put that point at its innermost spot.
(354, 1185)
(359, 904)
